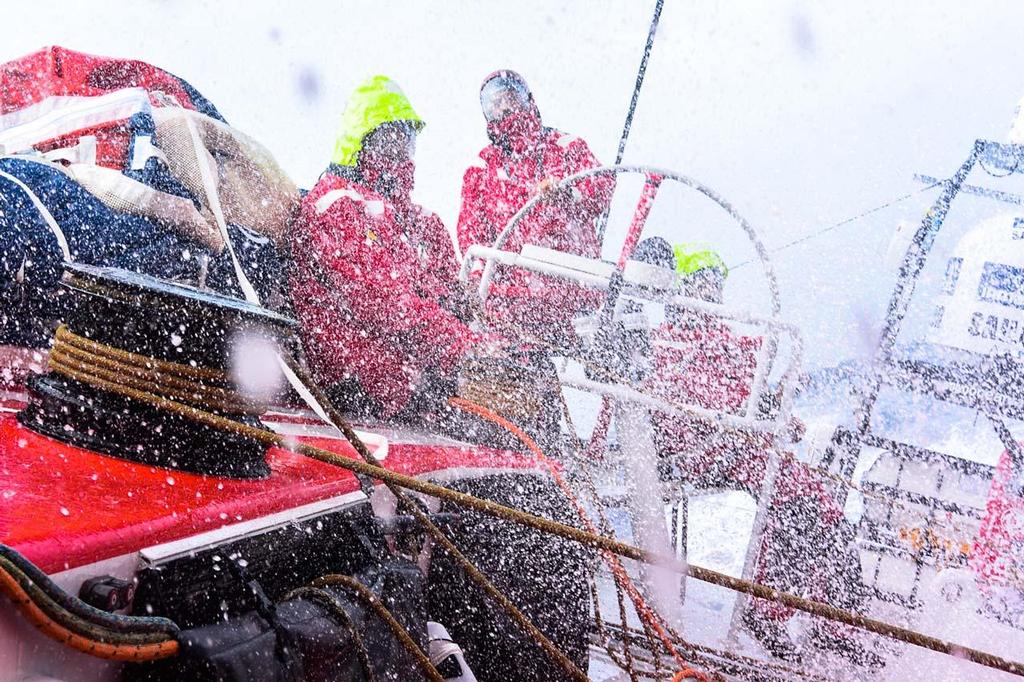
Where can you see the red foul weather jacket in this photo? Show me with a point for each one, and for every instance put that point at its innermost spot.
(997, 555)
(366, 286)
(703, 362)
(493, 191)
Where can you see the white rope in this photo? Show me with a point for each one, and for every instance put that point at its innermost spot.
(213, 200)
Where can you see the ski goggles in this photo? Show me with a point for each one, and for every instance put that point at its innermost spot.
(502, 95)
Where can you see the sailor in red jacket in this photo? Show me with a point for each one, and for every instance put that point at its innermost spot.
(372, 270)
(526, 158)
(807, 546)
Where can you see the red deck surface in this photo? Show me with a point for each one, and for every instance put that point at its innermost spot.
(63, 506)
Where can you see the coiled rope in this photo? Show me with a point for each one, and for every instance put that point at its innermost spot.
(198, 386)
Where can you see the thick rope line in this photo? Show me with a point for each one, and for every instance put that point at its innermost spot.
(10, 587)
(73, 622)
(59, 358)
(111, 621)
(547, 525)
(439, 536)
(103, 350)
(335, 608)
(363, 593)
(174, 380)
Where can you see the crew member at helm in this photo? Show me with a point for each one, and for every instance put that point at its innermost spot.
(526, 158)
(699, 360)
(372, 269)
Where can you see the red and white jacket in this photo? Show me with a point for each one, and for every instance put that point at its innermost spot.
(702, 362)
(495, 190)
(368, 276)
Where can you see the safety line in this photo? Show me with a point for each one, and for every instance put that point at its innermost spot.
(841, 223)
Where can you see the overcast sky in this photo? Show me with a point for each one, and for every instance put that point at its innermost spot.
(801, 113)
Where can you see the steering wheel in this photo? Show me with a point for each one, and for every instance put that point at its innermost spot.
(654, 178)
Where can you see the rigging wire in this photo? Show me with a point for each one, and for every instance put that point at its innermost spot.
(639, 81)
(841, 223)
(641, 72)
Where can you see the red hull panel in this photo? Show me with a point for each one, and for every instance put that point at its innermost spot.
(63, 506)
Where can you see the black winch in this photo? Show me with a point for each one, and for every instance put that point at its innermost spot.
(155, 325)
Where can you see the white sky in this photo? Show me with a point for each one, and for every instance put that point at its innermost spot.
(801, 113)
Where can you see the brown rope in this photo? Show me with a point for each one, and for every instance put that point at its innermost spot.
(475, 574)
(10, 588)
(549, 526)
(144, 361)
(173, 380)
(364, 593)
(335, 607)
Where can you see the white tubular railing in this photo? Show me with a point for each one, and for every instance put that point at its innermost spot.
(630, 401)
(620, 392)
(773, 332)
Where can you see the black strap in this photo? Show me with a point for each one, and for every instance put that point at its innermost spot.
(639, 81)
(602, 222)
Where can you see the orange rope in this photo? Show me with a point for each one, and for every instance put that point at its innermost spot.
(49, 627)
(643, 610)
